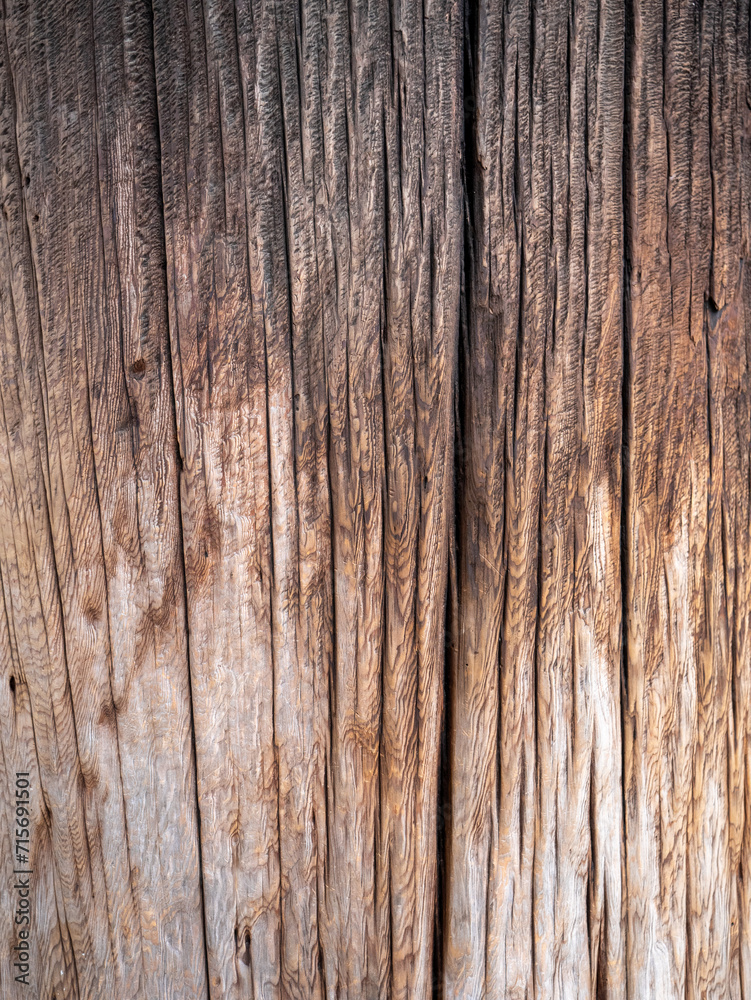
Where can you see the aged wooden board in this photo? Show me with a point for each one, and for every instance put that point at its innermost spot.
(375, 499)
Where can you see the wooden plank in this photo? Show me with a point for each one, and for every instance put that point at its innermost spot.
(714, 832)
(288, 151)
(325, 396)
(663, 524)
(136, 460)
(578, 892)
(685, 367)
(110, 485)
(220, 322)
(66, 672)
(349, 171)
(536, 707)
(420, 339)
(277, 161)
(474, 684)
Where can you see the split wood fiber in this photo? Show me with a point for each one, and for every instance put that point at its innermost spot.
(375, 498)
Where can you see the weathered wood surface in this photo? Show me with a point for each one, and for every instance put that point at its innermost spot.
(375, 498)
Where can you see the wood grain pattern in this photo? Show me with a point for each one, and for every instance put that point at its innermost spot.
(375, 498)
(683, 282)
(85, 311)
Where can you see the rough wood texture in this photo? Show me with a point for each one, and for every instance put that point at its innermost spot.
(375, 499)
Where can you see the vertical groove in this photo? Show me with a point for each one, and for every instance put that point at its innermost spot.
(178, 454)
